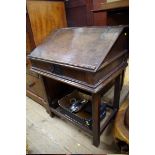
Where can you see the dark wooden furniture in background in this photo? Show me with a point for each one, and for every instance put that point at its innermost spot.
(85, 59)
(79, 13)
(97, 12)
(42, 18)
(117, 12)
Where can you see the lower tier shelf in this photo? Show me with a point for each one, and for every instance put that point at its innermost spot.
(110, 113)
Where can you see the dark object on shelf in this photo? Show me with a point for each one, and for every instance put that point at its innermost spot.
(84, 116)
(77, 105)
(90, 59)
(88, 108)
(76, 97)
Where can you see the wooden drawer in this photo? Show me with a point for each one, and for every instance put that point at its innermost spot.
(34, 85)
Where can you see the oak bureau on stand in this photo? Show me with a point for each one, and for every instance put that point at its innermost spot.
(88, 59)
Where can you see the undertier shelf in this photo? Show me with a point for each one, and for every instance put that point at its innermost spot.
(110, 113)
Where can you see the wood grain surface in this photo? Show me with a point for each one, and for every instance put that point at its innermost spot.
(45, 17)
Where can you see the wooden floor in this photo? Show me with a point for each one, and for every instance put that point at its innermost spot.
(55, 136)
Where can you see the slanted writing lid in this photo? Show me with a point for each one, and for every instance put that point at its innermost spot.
(84, 47)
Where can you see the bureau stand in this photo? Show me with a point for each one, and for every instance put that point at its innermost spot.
(96, 100)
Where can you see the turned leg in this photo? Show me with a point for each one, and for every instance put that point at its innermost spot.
(45, 96)
(96, 99)
(117, 90)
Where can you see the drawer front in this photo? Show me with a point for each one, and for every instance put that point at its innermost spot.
(63, 72)
(34, 85)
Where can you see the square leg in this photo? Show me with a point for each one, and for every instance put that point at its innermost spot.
(45, 96)
(117, 90)
(96, 100)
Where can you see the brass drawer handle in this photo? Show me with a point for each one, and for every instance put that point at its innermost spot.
(32, 84)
